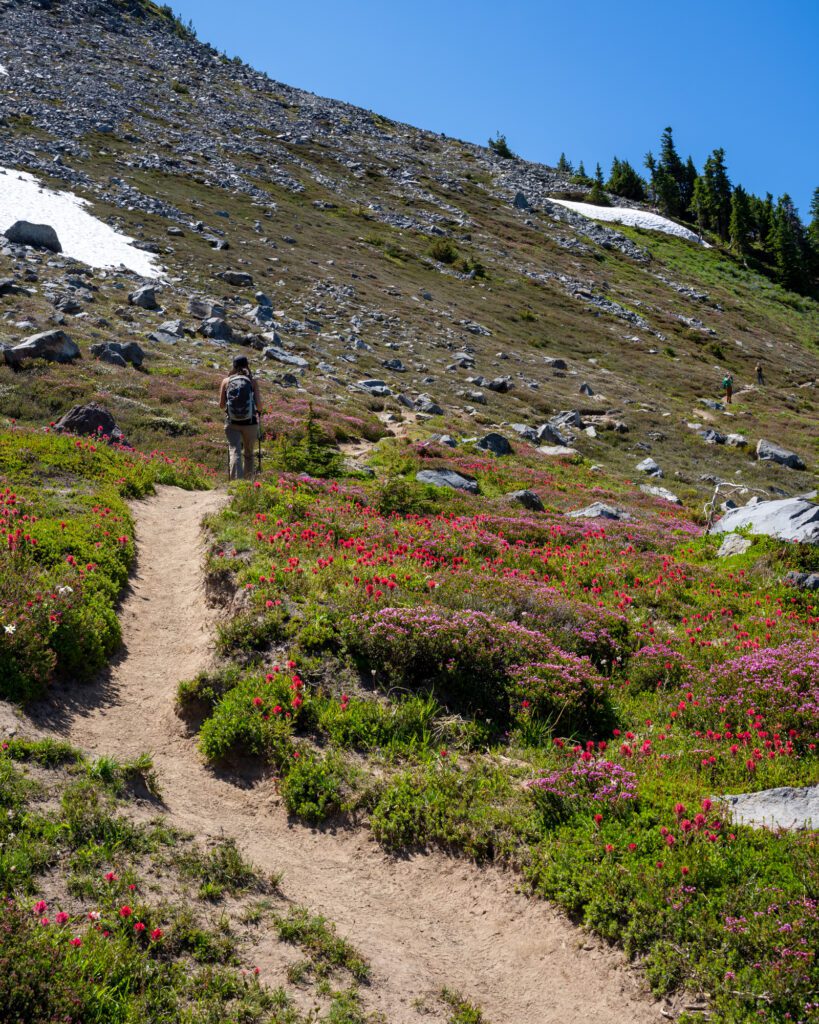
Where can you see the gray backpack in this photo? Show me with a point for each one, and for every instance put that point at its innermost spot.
(239, 400)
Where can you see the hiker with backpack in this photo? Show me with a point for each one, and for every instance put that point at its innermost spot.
(239, 397)
(728, 385)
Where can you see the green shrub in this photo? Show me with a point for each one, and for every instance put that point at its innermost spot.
(312, 787)
(443, 251)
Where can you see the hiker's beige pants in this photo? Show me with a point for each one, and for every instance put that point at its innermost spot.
(241, 438)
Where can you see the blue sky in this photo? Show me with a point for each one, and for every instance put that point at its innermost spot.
(595, 79)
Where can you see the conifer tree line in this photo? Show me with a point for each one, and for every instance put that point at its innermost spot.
(768, 234)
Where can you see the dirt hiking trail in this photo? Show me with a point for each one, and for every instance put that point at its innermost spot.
(423, 922)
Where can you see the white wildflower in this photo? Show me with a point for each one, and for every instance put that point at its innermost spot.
(11, 629)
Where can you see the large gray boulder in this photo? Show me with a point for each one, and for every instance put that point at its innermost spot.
(494, 443)
(650, 467)
(447, 478)
(216, 329)
(549, 434)
(203, 309)
(428, 406)
(376, 388)
(89, 419)
(144, 297)
(791, 807)
(117, 354)
(802, 580)
(787, 518)
(528, 499)
(55, 346)
(237, 278)
(39, 236)
(734, 544)
(598, 510)
(279, 354)
(660, 492)
(770, 452)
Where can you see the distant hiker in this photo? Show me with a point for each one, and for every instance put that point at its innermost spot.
(760, 379)
(728, 387)
(239, 397)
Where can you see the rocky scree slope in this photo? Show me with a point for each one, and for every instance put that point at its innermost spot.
(344, 248)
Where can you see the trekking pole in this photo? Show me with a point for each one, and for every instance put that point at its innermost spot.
(259, 452)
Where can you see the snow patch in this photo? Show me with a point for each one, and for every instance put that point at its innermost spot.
(3, 71)
(632, 218)
(82, 236)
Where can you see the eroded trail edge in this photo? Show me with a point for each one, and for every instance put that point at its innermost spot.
(422, 922)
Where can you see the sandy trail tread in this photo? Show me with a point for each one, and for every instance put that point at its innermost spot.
(423, 922)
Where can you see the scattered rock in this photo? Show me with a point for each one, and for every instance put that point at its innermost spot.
(500, 384)
(144, 297)
(89, 419)
(528, 499)
(734, 544)
(586, 389)
(118, 355)
(204, 309)
(735, 441)
(599, 510)
(376, 388)
(216, 329)
(271, 352)
(802, 580)
(426, 405)
(557, 450)
(789, 807)
(711, 436)
(38, 236)
(521, 202)
(495, 443)
(447, 478)
(650, 467)
(55, 346)
(551, 435)
(770, 452)
(237, 278)
(555, 364)
(444, 439)
(660, 492)
(788, 519)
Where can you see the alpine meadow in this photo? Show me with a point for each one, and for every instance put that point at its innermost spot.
(409, 560)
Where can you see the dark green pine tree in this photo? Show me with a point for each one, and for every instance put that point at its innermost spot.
(650, 164)
(789, 248)
(741, 225)
(581, 172)
(718, 193)
(625, 181)
(687, 189)
(597, 194)
(671, 165)
(813, 227)
(564, 166)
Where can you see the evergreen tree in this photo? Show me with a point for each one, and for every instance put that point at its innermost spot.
(789, 247)
(597, 195)
(717, 193)
(687, 189)
(650, 164)
(500, 146)
(625, 181)
(564, 166)
(581, 171)
(672, 167)
(741, 223)
(813, 227)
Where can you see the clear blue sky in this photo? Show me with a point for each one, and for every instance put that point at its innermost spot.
(594, 79)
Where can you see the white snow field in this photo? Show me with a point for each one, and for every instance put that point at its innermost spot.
(632, 219)
(82, 236)
(3, 70)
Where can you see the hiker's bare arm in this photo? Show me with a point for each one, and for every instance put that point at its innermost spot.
(222, 398)
(257, 395)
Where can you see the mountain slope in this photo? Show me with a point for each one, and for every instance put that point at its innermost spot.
(365, 230)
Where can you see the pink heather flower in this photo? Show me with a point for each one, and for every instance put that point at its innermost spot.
(609, 848)
(44, 921)
(75, 941)
(706, 805)
(156, 934)
(111, 877)
(684, 869)
(93, 915)
(61, 918)
(125, 911)
(139, 927)
(40, 907)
